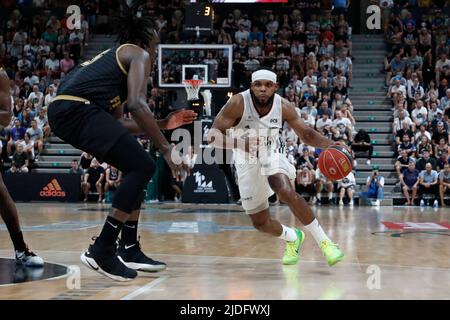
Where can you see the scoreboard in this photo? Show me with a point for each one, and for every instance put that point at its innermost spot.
(199, 18)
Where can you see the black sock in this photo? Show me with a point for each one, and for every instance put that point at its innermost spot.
(110, 232)
(18, 242)
(129, 232)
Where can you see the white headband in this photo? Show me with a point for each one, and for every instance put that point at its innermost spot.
(264, 75)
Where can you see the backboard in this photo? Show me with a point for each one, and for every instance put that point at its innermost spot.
(210, 63)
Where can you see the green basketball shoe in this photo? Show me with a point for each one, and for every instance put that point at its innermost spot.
(293, 249)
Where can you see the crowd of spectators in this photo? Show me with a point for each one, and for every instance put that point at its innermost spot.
(417, 74)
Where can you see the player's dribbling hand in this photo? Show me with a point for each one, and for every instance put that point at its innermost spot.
(344, 145)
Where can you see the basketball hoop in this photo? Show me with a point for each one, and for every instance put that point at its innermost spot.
(192, 87)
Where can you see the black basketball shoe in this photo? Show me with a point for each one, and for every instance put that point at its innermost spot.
(133, 257)
(104, 260)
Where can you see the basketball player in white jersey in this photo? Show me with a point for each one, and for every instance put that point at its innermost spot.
(250, 124)
(8, 209)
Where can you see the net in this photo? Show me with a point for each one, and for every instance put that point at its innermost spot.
(192, 87)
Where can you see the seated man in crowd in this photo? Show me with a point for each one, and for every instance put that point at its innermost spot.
(37, 137)
(403, 162)
(93, 180)
(428, 183)
(20, 161)
(409, 179)
(362, 143)
(346, 185)
(422, 162)
(42, 123)
(342, 128)
(323, 183)
(444, 183)
(113, 180)
(304, 182)
(17, 134)
(406, 145)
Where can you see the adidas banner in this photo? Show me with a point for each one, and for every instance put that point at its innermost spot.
(26, 187)
(206, 184)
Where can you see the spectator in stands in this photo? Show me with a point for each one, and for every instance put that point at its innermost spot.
(441, 148)
(423, 145)
(93, 180)
(20, 160)
(86, 161)
(66, 64)
(42, 123)
(443, 159)
(398, 122)
(49, 96)
(37, 98)
(444, 183)
(305, 158)
(113, 179)
(344, 64)
(445, 101)
(305, 181)
(75, 169)
(419, 114)
(17, 134)
(422, 162)
(346, 186)
(440, 133)
(397, 88)
(396, 65)
(374, 185)
(442, 67)
(342, 128)
(362, 143)
(402, 162)
(322, 183)
(407, 145)
(409, 179)
(414, 65)
(428, 184)
(28, 146)
(37, 137)
(324, 124)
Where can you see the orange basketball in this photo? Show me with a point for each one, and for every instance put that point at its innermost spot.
(335, 163)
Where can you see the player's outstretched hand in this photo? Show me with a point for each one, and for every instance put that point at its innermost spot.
(180, 118)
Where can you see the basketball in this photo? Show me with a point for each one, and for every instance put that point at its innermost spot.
(335, 162)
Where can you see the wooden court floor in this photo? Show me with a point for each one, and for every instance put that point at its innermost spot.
(213, 252)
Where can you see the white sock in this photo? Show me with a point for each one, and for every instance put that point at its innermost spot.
(317, 231)
(288, 234)
(330, 195)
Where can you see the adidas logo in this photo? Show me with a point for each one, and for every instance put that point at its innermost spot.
(53, 189)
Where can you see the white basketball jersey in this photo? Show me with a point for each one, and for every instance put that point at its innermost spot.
(267, 128)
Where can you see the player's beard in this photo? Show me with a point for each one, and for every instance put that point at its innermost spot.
(258, 104)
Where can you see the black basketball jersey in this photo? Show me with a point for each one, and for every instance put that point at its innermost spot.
(101, 80)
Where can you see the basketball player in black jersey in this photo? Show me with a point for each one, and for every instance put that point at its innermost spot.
(8, 209)
(87, 114)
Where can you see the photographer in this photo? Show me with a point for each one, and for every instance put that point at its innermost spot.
(374, 185)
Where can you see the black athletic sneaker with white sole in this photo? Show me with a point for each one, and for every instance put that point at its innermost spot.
(104, 260)
(133, 257)
(28, 258)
